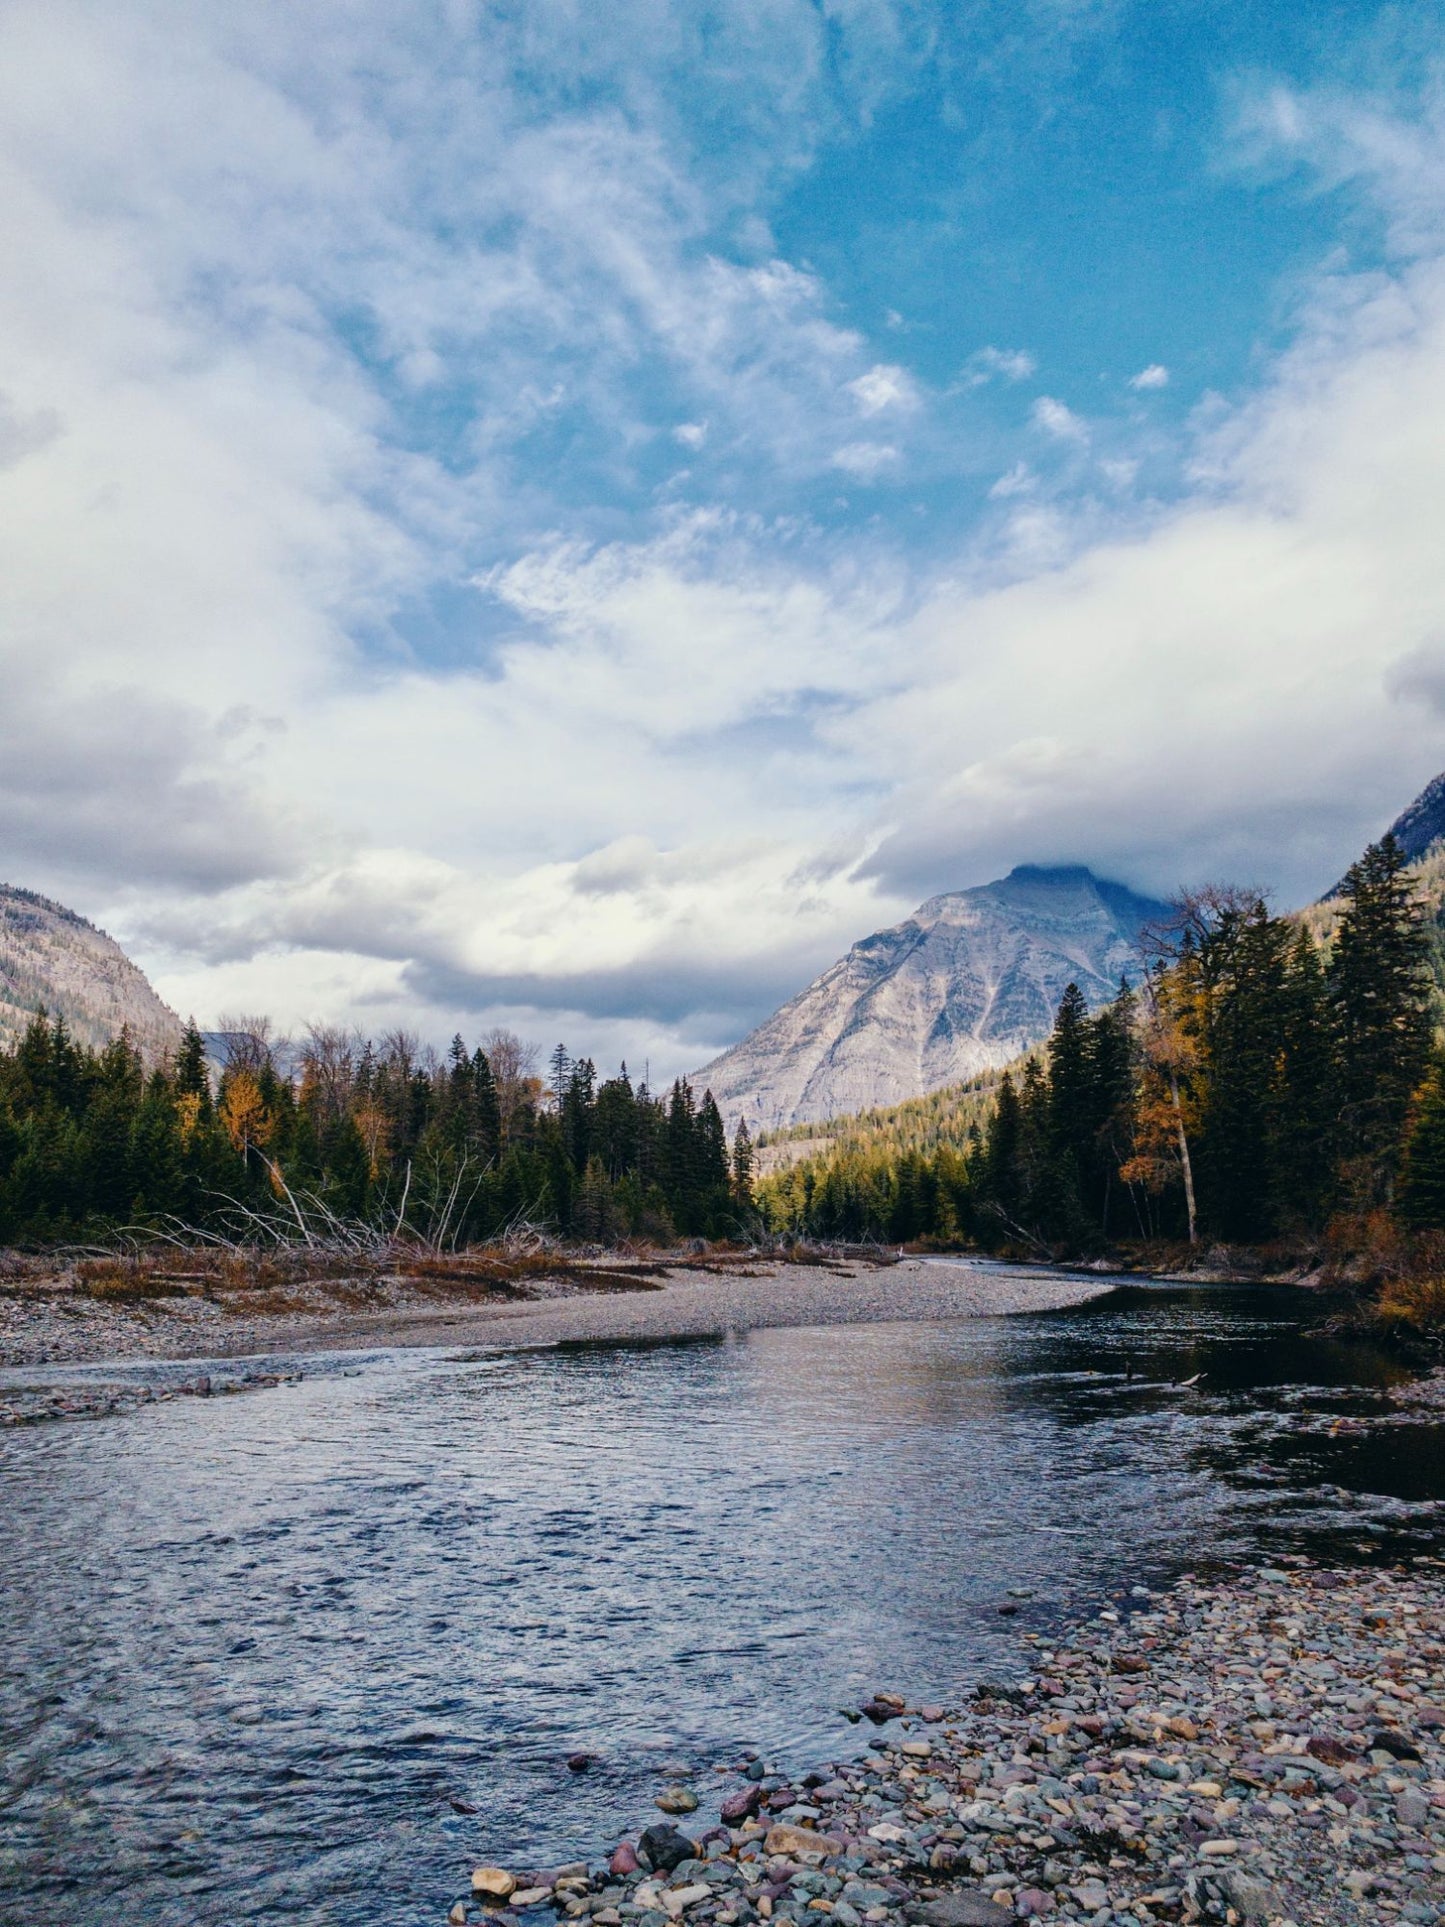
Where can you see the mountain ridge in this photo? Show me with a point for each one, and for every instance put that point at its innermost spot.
(962, 986)
(52, 957)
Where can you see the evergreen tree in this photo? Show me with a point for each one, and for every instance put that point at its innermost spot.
(1306, 1143)
(192, 1076)
(560, 1066)
(743, 1164)
(1379, 995)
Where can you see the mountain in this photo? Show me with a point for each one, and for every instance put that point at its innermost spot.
(50, 956)
(968, 982)
(1417, 829)
(1423, 823)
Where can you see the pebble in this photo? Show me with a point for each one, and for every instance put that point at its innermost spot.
(1271, 1750)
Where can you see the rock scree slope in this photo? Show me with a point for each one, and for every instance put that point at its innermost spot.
(972, 978)
(53, 958)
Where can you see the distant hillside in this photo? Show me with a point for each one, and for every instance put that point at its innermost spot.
(49, 956)
(920, 1124)
(970, 981)
(1420, 832)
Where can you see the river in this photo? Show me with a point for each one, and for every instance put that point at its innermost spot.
(307, 1654)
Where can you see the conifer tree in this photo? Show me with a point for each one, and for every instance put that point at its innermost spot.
(743, 1164)
(191, 1077)
(1379, 996)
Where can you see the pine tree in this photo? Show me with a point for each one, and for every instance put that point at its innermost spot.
(560, 1065)
(743, 1164)
(1379, 995)
(486, 1108)
(191, 1076)
(1306, 1128)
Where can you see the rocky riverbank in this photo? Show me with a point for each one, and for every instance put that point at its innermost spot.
(1268, 1747)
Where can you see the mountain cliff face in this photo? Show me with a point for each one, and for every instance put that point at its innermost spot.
(50, 956)
(1417, 829)
(969, 981)
(1422, 825)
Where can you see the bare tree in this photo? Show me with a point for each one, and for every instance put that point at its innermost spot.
(328, 1067)
(247, 1043)
(514, 1067)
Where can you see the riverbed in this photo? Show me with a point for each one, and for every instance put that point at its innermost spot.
(307, 1654)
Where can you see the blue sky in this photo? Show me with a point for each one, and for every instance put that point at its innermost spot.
(570, 516)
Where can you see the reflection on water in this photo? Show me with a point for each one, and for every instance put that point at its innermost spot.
(259, 1651)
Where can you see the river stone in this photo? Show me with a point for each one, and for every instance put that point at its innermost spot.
(664, 1848)
(741, 1806)
(624, 1860)
(494, 1882)
(1250, 1898)
(785, 1840)
(1412, 1809)
(676, 1799)
(966, 1908)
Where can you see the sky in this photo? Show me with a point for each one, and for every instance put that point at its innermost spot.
(569, 516)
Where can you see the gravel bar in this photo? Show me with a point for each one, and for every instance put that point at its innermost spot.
(1268, 1747)
(40, 1326)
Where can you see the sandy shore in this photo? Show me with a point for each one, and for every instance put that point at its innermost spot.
(39, 1326)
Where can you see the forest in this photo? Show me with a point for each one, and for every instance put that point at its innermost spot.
(1262, 1080)
(1255, 1085)
(351, 1136)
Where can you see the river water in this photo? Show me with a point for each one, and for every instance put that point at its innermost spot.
(260, 1653)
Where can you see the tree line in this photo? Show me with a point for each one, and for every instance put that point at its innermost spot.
(348, 1133)
(1252, 1087)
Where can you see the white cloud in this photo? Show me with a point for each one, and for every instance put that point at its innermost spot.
(1011, 364)
(1019, 480)
(884, 386)
(1156, 375)
(865, 461)
(1055, 419)
(642, 796)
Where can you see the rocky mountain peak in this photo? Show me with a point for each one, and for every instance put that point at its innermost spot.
(53, 958)
(972, 978)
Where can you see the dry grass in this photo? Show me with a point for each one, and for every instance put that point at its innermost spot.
(1413, 1303)
(127, 1281)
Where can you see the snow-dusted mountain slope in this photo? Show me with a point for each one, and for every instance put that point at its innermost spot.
(969, 981)
(50, 956)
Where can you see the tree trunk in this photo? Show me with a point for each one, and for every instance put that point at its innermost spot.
(1185, 1165)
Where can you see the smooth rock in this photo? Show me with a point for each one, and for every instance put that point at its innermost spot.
(677, 1900)
(494, 1882)
(741, 1805)
(1253, 1899)
(1030, 1902)
(676, 1799)
(966, 1908)
(624, 1859)
(1412, 1809)
(664, 1848)
(786, 1840)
